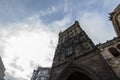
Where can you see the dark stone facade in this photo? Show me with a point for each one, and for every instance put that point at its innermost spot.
(77, 58)
(2, 70)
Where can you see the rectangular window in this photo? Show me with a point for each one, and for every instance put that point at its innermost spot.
(69, 51)
(44, 72)
(42, 78)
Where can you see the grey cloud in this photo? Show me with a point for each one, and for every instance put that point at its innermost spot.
(2, 44)
(96, 27)
(50, 55)
(11, 77)
(29, 75)
(2, 47)
(49, 58)
(5, 34)
(14, 64)
(33, 65)
(52, 44)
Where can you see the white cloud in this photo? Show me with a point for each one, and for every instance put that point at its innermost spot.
(29, 44)
(11, 77)
(107, 3)
(66, 7)
(96, 27)
(61, 24)
(48, 11)
(28, 41)
(89, 3)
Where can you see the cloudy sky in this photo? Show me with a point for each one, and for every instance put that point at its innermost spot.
(29, 30)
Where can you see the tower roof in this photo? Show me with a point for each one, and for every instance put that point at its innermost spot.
(70, 32)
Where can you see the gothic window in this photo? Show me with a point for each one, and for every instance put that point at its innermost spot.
(69, 51)
(114, 51)
(118, 46)
(42, 72)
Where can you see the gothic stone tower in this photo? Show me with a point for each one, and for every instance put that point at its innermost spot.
(77, 58)
(115, 18)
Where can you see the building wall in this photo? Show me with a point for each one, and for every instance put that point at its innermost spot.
(113, 60)
(2, 70)
(42, 73)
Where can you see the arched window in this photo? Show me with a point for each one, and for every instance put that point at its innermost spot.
(118, 46)
(114, 51)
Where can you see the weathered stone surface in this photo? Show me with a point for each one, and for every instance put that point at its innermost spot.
(113, 61)
(2, 70)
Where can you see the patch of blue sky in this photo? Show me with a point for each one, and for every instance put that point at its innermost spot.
(16, 10)
(52, 17)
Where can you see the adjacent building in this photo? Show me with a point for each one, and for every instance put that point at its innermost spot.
(42, 73)
(2, 70)
(78, 58)
(111, 49)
